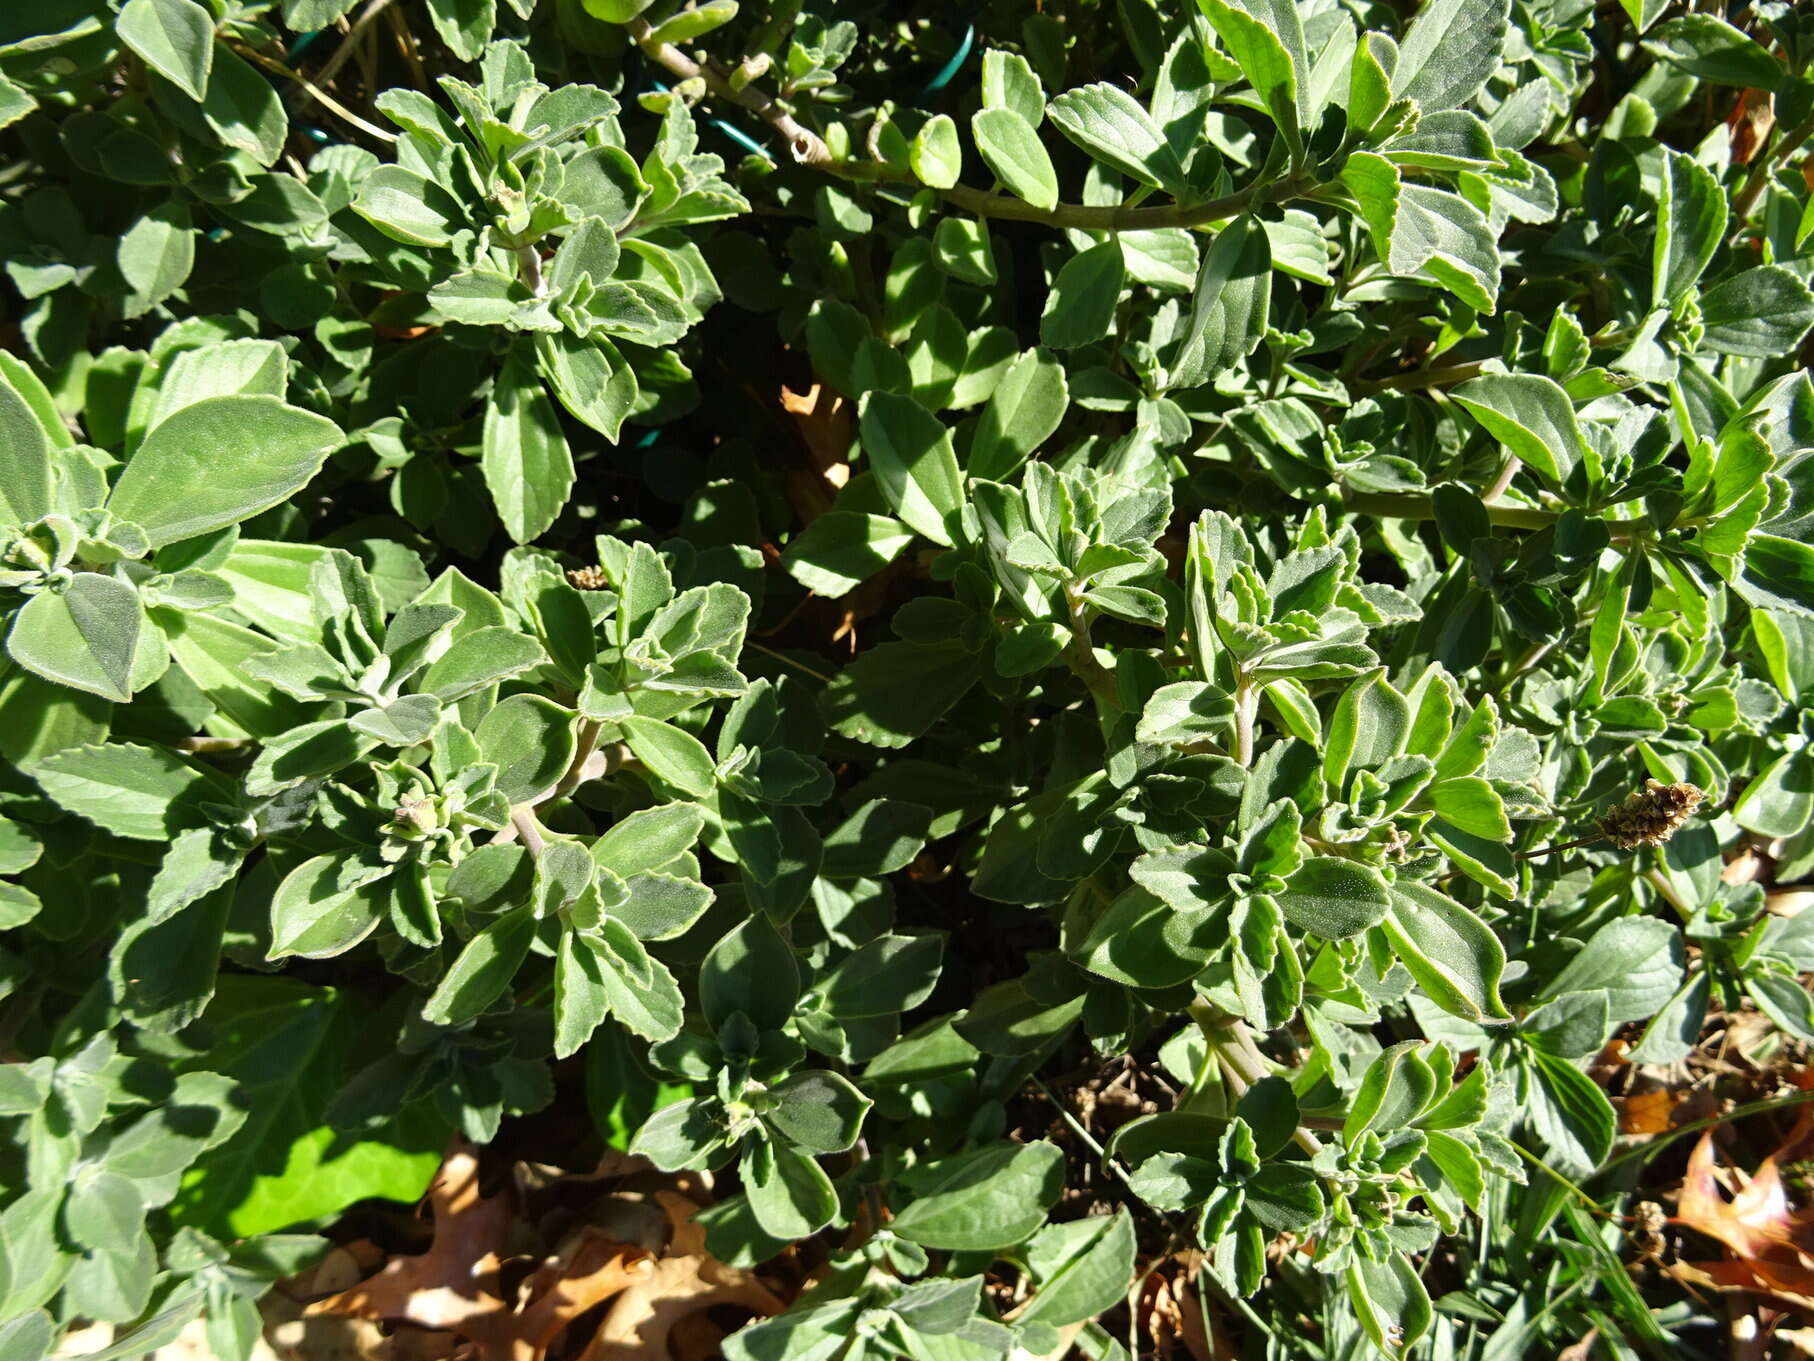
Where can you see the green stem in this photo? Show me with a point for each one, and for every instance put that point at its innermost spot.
(1405, 506)
(1121, 217)
(1247, 704)
(1443, 375)
(1243, 1064)
(1667, 892)
(808, 148)
(527, 829)
(582, 752)
(1408, 506)
(1084, 661)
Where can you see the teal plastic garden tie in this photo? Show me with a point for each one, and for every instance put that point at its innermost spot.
(735, 134)
(951, 67)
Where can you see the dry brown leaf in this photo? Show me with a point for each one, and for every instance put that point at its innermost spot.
(592, 1270)
(1771, 1241)
(454, 1287)
(685, 1280)
(823, 418)
(1647, 1112)
(1751, 120)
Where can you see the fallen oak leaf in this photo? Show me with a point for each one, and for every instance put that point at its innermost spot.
(454, 1285)
(1757, 1219)
(595, 1268)
(684, 1280)
(1771, 1242)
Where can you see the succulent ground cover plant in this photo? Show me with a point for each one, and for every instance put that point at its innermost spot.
(1123, 676)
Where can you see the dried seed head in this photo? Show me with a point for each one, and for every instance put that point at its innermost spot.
(588, 578)
(1650, 816)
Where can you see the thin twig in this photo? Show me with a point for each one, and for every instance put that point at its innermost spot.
(406, 44)
(807, 146)
(783, 657)
(344, 52)
(322, 97)
(1561, 846)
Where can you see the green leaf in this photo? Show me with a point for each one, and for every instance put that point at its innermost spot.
(1764, 313)
(894, 692)
(887, 976)
(818, 1112)
(89, 636)
(530, 740)
(1024, 410)
(1530, 415)
(1009, 83)
(478, 660)
(989, 1198)
(879, 838)
(1083, 1268)
(25, 459)
(156, 255)
(1231, 305)
(175, 38)
(1471, 804)
(1425, 233)
(133, 791)
(244, 110)
(936, 156)
(1785, 1001)
(1449, 52)
(1454, 956)
(915, 466)
(1691, 222)
(464, 25)
(671, 754)
(1266, 37)
(1570, 1114)
(1779, 802)
(684, 1134)
(1635, 961)
(1778, 574)
(325, 906)
(482, 972)
(407, 207)
(1011, 148)
(1335, 898)
(790, 1195)
(1390, 1300)
(219, 462)
(1706, 46)
(649, 838)
(1081, 306)
(103, 1212)
(288, 1047)
(1109, 124)
(528, 468)
(642, 992)
(750, 970)
(841, 549)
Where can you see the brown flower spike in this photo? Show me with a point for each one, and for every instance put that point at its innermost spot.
(1650, 816)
